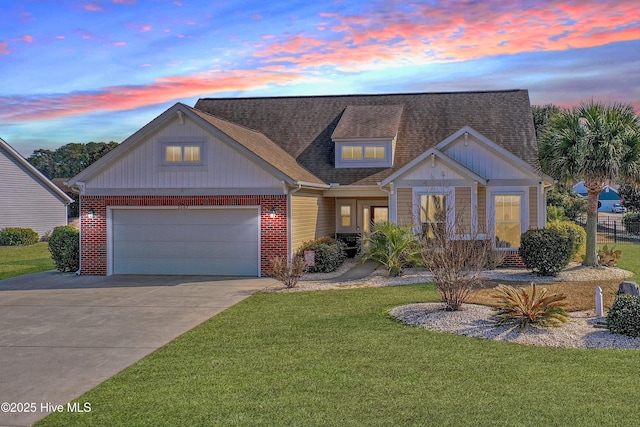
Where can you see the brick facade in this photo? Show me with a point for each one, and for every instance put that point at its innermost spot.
(93, 237)
(512, 259)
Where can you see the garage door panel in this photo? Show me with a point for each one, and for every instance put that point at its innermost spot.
(173, 232)
(192, 266)
(172, 249)
(185, 241)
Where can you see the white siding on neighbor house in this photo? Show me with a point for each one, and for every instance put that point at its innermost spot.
(25, 201)
(477, 157)
(223, 166)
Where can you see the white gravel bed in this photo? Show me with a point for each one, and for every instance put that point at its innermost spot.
(476, 321)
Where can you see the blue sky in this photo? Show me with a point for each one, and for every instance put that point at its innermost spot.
(80, 71)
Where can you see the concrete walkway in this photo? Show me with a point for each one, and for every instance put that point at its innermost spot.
(359, 271)
(61, 335)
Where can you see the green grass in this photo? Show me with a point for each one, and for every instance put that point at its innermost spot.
(630, 258)
(19, 260)
(334, 358)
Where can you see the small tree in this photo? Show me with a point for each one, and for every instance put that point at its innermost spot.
(288, 272)
(64, 245)
(455, 258)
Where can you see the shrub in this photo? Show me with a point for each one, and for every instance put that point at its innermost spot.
(609, 256)
(545, 251)
(392, 245)
(631, 222)
(329, 254)
(624, 316)
(288, 272)
(519, 306)
(64, 245)
(15, 236)
(575, 233)
(555, 213)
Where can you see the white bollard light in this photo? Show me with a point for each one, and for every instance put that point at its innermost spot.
(598, 301)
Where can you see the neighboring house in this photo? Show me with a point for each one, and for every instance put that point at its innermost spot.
(27, 198)
(606, 199)
(222, 187)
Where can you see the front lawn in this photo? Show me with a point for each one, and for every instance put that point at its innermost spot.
(335, 358)
(20, 260)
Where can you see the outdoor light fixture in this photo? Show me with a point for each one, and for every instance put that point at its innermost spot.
(272, 213)
(91, 213)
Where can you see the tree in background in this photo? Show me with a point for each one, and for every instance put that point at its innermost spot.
(69, 160)
(541, 117)
(563, 197)
(630, 193)
(595, 143)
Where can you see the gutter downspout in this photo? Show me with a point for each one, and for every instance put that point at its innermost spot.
(393, 211)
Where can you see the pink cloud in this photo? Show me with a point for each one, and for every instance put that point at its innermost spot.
(124, 1)
(119, 44)
(4, 48)
(21, 109)
(93, 7)
(449, 32)
(27, 38)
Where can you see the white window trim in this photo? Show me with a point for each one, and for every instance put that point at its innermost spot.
(448, 192)
(363, 162)
(353, 227)
(523, 192)
(181, 165)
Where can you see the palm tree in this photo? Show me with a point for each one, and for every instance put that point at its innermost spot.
(595, 143)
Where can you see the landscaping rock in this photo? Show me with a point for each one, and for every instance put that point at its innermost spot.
(628, 288)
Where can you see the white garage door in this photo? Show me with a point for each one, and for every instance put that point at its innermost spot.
(185, 241)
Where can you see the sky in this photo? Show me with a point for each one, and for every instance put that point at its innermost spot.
(81, 71)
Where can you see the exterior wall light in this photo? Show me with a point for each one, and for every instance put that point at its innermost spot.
(272, 212)
(91, 213)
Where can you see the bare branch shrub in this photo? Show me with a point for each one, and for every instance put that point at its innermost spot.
(454, 253)
(288, 272)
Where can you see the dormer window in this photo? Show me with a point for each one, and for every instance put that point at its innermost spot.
(365, 136)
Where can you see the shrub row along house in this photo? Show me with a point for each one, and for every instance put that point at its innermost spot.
(224, 186)
(28, 199)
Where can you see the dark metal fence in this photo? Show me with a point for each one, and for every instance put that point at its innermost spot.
(611, 230)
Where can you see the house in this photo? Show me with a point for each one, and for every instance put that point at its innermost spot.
(606, 199)
(27, 198)
(222, 187)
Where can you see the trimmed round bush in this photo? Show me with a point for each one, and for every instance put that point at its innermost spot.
(545, 251)
(624, 316)
(15, 236)
(574, 232)
(631, 223)
(329, 254)
(64, 245)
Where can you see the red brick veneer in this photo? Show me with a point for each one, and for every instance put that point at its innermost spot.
(512, 259)
(93, 237)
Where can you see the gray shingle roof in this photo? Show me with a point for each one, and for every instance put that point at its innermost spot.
(303, 126)
(368, 121)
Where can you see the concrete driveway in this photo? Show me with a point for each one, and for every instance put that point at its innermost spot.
(61, 335)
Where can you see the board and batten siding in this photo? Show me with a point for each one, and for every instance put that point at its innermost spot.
(25, 201)
(312, 216)
(533, 207)
(224, 167)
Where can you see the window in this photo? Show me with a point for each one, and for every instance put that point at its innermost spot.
(433, 214)
(374, 153)
(182, 153)
(352, 152)
(507, 219)
(345, 215)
